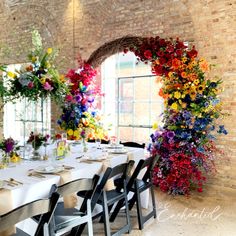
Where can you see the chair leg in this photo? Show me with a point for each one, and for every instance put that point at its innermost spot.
(139, 210)
(127, 214)
(153, 203)
(116, 210)
(106, 216)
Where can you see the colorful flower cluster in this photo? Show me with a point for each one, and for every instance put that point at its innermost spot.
(38, 78)
(186, 141)
(79, 117)
(8, 145)
(37, 140)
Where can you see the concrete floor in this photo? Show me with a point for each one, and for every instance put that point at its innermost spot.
(211, 213)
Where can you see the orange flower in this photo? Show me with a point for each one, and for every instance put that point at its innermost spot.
(176, 63)
(162, 94)
(184, 74)
(203, 65)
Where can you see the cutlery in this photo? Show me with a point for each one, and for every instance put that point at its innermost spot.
(10, 183)
(36, 175)
(15, 181)
(79, 157)
(68, 167)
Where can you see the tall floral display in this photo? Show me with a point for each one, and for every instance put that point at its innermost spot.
(185, 143)
(79, 117)
(38, 78)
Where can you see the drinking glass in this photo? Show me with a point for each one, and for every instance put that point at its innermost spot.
(98, 143)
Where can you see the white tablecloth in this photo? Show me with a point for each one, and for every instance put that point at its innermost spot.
(35, 188)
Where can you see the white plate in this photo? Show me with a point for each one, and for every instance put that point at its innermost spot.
(88, 158)
(49, 169)
(117, 146)
(118, 151)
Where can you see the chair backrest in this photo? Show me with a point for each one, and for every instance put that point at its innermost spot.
(133, 144)
(78, 185)
(43, 207)
(149, 163)
(120, 170)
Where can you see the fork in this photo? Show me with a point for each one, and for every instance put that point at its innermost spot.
(10, 183)
(15, 181)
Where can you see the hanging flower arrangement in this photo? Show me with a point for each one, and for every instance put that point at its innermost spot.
(185, 143)
(79, 117)
(38, 78)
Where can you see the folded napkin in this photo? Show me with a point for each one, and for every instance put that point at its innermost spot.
(6, 206)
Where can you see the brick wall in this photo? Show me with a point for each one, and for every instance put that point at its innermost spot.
(81, 26)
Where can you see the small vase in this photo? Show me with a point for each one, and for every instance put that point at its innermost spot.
(6, 158)
(36, 155)
(85, 147)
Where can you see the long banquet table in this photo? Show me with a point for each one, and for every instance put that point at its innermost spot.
(34, 188)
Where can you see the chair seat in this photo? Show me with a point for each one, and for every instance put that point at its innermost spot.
(67, 217)
(112, 196)
(20, 232)
(142, 185)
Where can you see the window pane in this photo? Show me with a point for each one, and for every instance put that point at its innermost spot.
(141, 135)
(126, 113)
(141, 113)
(142, 88)
(126, 133)
(126, 89)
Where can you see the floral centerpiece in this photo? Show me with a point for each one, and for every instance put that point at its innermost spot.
(37, 140)
(185, 143)
(79, 118)
(38, 78)
(9, 148)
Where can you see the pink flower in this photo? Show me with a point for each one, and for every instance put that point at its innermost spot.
(47, 86)
(30, 85)
(69, 98)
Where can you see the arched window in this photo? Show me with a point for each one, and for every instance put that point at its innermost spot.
(131, 102)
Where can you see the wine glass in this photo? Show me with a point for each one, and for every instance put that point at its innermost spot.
(98, 143)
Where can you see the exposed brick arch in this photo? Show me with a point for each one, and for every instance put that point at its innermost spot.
(110, 48)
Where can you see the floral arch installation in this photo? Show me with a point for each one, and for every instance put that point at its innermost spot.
(186, 142)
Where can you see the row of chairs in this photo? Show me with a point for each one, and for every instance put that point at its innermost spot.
(54, 219)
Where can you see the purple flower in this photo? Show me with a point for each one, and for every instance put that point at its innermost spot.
(9, 145)
(170, 134)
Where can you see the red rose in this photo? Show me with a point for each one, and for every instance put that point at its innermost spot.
(162, 60)
(193, 53)
(125, 50)
(30, 85)
(160, 53)
(148, 54)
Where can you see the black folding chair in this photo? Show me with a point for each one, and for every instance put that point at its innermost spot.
(137, 186)
(133, 144)
(43, 207)
(108, 198)
(64, 219)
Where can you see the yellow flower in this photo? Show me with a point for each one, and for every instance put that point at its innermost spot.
(62, 78)
(186, 86)
(11, 74)
(47, 64)
(184, 59)
(43, 80)
(196, 81)
(155, 126)
(49, 50)
(34, 59)
(193, 94)
(70, 132)
(76, 133)
(174, 106)
(177, 95)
